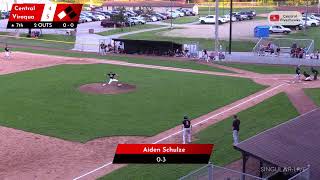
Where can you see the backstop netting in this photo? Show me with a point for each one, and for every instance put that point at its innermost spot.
(284, 44)
(212, 172)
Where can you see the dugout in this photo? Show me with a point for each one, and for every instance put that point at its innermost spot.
(148, 47)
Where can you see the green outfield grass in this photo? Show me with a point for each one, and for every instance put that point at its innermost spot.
(183, 20)
(128, 29)
(45, 40)
(254, 120)
(314, 94)
(142, 60)
(204, 43)
(264, 69)
(46, 101)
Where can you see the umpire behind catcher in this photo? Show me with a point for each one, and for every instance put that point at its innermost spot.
(186, 126)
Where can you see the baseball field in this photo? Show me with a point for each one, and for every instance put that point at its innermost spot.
(49, 129)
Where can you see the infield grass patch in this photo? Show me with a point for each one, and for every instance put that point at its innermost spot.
(46, 101)
(256, 119)
(266, 69)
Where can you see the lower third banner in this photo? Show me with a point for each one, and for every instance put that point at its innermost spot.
(163, 153)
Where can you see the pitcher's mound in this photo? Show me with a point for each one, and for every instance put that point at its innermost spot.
(101, 88)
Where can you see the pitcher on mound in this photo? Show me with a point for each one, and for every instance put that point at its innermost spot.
(112, 78)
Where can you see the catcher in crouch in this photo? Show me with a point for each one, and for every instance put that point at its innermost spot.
(112, 78)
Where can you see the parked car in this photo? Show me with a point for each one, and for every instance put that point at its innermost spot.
(137, 20)
(279, 29)
(166, 14)
(312, 16)
(5, 15)
(81, 20)
(86, 19)
(227, 16)
(240, 17)
(163, 17)
(148, 18)
(93, 17)
(222, 20)
(180, 13)
(310, 22)
(108, 23)
(173, 14)
(211, 19)
(245, 15)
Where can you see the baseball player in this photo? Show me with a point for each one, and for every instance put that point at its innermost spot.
(7, 53)
(298, 73)
(112, 78)
(307, 76)
(186, 126)
(315, 73)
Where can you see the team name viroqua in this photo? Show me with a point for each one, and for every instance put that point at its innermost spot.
(168, 149)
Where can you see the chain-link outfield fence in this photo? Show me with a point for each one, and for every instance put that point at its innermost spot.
(285, 45)
(304, 175)
(212, 172)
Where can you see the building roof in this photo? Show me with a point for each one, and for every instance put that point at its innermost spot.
(292, 144)
(158, 42)
(148, 4)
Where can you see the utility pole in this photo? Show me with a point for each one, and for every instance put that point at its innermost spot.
(230, 28)
(171, 19)
(216, 44)
(319, 7)
(306, 16)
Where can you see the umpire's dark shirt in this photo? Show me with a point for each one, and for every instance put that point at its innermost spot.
(186, 123)
(236, 124)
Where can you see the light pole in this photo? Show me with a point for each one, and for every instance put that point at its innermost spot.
(216, 44)
(171, 14)
(319, 7)
(230, 29)
(306, 16)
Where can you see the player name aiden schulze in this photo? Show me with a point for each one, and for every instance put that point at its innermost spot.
(165, 149)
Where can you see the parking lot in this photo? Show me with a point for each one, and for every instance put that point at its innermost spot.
(241, 30)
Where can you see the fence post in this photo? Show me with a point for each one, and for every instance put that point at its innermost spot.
(308, 172)
(210, 171)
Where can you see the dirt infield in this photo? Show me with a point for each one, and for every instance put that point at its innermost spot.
(32, 156)
(103, 88)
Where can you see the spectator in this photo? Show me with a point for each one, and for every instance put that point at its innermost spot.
(278, 51)
(235, 129)
(102, 49)
(205, 55)
(315, 55)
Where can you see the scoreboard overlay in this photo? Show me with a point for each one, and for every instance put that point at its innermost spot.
(163, 153)
(44, 16)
